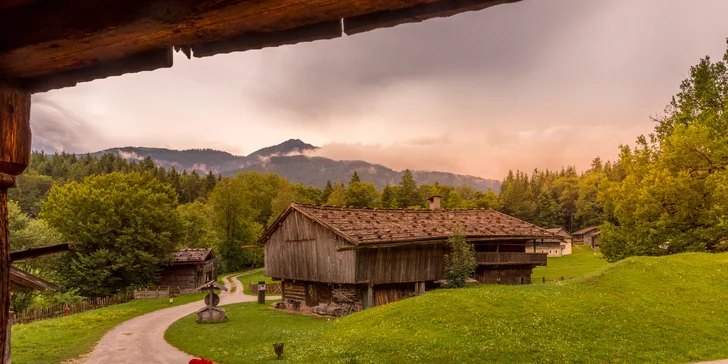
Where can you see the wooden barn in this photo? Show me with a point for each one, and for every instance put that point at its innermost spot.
(330, 256)
(189, 269)
(587, 236)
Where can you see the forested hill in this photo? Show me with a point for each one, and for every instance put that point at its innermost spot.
(286, 160)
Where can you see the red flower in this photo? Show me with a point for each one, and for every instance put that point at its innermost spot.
(200, 361)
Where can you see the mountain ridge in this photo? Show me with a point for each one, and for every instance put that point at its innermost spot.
(288, 160)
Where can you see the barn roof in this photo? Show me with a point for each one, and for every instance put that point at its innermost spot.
(559, 230)
(197, 255)
(48, 44)
(585, 230)
(380, 226)
(21, 281)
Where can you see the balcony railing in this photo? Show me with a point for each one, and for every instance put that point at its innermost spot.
(511, 258)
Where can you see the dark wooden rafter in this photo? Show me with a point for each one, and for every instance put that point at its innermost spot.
(83, 40)
(29, 253)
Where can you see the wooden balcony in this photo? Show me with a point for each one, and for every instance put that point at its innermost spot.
(511, 258)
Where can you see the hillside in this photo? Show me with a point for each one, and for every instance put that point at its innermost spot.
(287, 160)
(666, 309)
(638, 310)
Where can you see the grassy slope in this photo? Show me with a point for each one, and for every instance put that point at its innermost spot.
(580, 263)
(68, 337)
(254, 276)
(669, 309)
(247, 336)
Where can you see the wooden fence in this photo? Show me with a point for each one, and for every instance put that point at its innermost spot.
(145, 294)
(269, 287)
(27, 316)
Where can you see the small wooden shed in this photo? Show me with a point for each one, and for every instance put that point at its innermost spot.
(586, 236)
(189, 269)
(366, 257)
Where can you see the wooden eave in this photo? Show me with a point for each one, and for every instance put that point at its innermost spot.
(440, 240)
(49, 44)
(21, 281)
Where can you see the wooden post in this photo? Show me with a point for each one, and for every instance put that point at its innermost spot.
(370, 296)
(261, 292)
(14, 158)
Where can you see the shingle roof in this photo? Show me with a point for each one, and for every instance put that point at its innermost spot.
(558, 230)
(191, 255)
(374, 226)
(585, 230)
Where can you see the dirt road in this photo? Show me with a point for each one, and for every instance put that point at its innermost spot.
(141, 339)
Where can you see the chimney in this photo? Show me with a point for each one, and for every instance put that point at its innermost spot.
(434, 202)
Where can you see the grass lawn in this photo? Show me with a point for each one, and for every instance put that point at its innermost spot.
(247, 336)
(580, 263)
(68, 337)
(256, 276)
(669, 309)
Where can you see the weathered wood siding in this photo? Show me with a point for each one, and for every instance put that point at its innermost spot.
(413, 263)
(504, 275)
(303, 249)
(184, 277)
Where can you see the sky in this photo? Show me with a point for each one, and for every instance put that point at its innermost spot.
(534, 84)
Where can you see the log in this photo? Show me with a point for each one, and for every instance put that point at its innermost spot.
(14, 158)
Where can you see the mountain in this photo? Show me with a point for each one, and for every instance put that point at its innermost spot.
(288, 160)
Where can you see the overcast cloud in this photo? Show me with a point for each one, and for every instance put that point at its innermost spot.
(536, 84)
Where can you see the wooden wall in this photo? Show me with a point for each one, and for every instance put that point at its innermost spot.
(504, 275)
(413, 263)
(183, 276)
(302, 249)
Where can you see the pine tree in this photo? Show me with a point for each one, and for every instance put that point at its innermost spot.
(327, 191)
(354, 178)
(407, 195)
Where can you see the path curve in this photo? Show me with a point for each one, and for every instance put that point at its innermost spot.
(141, 339)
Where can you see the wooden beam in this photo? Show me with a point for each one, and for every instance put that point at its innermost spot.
(145, 61)
(252, 246)
(415, 14)
(259, 40)
(14, 158)
(39, 252)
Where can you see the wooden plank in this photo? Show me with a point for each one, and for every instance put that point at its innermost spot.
(145, 61)
(259, 40)
(415, 14)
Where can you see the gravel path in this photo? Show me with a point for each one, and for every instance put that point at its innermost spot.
(141, 339)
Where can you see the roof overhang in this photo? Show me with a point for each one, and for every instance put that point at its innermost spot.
(440, 240)
(52, 44)
(21, 281)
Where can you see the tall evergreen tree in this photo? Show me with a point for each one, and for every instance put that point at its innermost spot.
(354, 178)
(326, 191)
(407, 195)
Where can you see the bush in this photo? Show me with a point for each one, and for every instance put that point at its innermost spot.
(460, 262)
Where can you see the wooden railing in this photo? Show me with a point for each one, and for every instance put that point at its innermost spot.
(511, 258)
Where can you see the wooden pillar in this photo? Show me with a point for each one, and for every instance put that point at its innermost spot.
(370, 296)
(14, 158)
